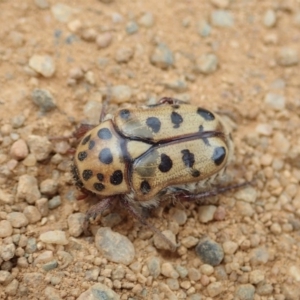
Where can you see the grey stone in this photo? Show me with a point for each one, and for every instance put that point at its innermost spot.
(39, 146)
(245, 292)
(162, 56)
(132, 27)
(206, 64)
(43, 99)
(114, 246)
(210, 252)
(99, 291)
(54, 202)
(222, 18)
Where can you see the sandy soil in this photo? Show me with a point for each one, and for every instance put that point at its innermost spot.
(240, 58)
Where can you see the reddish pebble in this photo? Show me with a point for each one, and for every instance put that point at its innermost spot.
(220, 213)
(19, 150)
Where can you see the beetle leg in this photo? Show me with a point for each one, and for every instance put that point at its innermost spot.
(96, 210)
(170, 101)
(130, 208)
(187, 196)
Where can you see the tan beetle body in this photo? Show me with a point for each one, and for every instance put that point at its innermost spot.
(145, 152)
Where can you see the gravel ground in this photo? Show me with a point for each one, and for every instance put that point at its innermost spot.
(57, 60)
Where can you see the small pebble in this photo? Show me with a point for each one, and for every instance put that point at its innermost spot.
(19, 150)
(31, 246)
(206, 213)
(222, 18)
(54, 202)
(247, 194)
(114, 246)
(18, 121)
(259, 256)
(264, 289)
(124, 54)
(42, 4)
(48, 187)
(5, 277)
(57, 237)
(45, 256)
(33, 279)
(42, 64)
(215, 288)
(179, 216)
(194, 274)
(162, 57)
(32, 214)
(288, 57)
(92, 111)
(189, 241)
(50, 265)
(17, 219)
(28, 189)
(103, 40)
(5, 229)
(75, 223)
(99, 291)
(43, 99)
(62, 12)
(245, 292)
(230, 247)
(245, 208)
(160, 243)
(168, 270)
(256, 276)
(270, 18)
(89, 34)
(209, 252)
(173, 284)
(42, 206)
(204, 29)
(264, 129)
(111, 220)
(7, 251)
(153, 265)
(132, 27)
(39, 146)
(121, 93)
(177, 85)
(275, 101)
(29, 161)
(206, 64)
(146, 20)
(182, 271)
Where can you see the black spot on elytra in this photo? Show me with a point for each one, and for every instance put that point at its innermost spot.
(86, 139)
(104, 134)
(219, 155)
(105, 156)
(124, 114)
(100, 176)
(205, 114)
(154, 123)
(176, 119)
(75, 174)
(195, 173)
(188, 158)
(116, 178)
(87, 174)
(165, 163)
(91, 144)
(98, 186)
(82, 155)
(145, 187)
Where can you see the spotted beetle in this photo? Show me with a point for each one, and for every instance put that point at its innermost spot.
(141, 155)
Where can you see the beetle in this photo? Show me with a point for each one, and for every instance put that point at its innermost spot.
(141, 155)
